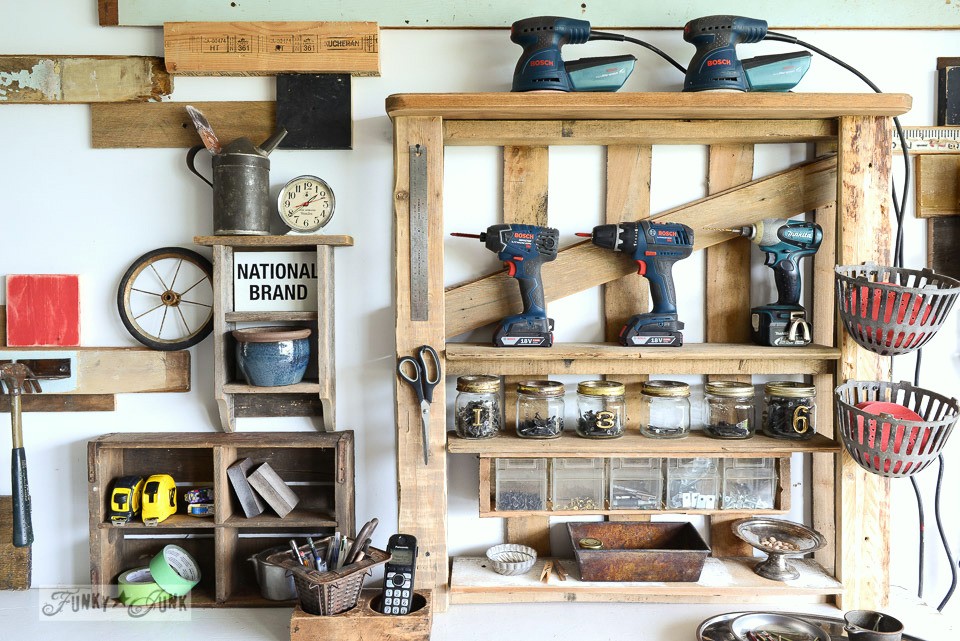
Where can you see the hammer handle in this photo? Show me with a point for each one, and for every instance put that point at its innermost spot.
(22, 523)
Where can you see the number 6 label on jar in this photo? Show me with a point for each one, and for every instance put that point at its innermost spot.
(801, 419)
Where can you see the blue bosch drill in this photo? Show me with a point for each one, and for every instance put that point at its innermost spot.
(785, 242)
(655, 247)
(523, 249)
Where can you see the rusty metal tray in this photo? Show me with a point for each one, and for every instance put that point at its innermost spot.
(718, 628)
(639, 551)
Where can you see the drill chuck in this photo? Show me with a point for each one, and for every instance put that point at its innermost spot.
(611, 237)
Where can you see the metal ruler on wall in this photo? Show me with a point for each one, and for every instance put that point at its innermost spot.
(419, 240)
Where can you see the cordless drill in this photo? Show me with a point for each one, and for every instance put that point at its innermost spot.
(655, 247)
(715, 66)
(540, 67)
(523, 249)
(785, 242)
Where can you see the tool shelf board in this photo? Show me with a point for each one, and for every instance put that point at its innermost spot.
(509, 445)
(632, 106)
(472, 580)
(320, 467)
(290, 240)
(315, 396)
(846, 186)
(610, 358)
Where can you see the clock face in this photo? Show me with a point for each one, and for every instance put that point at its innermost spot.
(306, 203)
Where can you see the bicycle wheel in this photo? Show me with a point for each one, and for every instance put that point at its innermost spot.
(165, 298)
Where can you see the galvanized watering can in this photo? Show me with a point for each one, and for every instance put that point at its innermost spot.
(241, 185)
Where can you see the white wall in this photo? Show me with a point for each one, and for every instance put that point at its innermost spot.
(73, 209)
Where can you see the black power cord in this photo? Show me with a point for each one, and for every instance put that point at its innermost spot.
(899, 208)
(619, 37)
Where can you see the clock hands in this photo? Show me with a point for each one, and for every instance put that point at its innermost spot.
(302, 205)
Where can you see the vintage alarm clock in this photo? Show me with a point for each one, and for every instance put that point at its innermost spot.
(306, 204)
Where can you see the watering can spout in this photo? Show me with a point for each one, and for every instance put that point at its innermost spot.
(271, 143)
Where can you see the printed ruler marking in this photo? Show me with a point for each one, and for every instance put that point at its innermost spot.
(929, 140)
(419, 308)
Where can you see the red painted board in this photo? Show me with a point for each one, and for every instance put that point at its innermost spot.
(43, 309)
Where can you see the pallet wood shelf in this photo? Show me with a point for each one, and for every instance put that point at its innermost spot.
(609, 358)
(316, 394)
(319, 465)
(509, 445)
(848, 193)
(722, 580)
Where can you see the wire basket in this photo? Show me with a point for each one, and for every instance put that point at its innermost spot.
(891, 310)
(890, 446)
(332, 592)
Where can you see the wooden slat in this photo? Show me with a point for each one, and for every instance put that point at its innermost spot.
(587, 358)
(938, 185)
(194, 440)
(627, 199)
(943, 236)
(107, 13)
(622, 106)
(82, 79)
(583, 266)
(632, 444)
(525, 200)
(256, 405)
(223, 355)
(422, 500)
(275, 242)
(634, 132)
(16, 564)
(326, 344)
(62, 403)
(265, 48)
(727, 302)
(863, 556)
(721, 580)
(486, 484)
(823, 466)
(166, 124)
(3, 325)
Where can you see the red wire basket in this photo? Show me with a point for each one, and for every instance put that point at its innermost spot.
(892, 310)
(890, 446)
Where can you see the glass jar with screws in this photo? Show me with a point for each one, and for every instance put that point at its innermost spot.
(478, 413)
(601, 409)
(540, 409)
(666, 404)
(790, 410)
(729, 408)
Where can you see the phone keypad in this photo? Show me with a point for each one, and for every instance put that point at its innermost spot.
(396, 600)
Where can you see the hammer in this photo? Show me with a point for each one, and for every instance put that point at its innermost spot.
(17, 379)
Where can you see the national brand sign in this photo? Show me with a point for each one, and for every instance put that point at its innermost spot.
(275, 281)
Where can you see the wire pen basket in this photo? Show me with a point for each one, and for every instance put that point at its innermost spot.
(332, 592)
(893, 310)
(889, 446)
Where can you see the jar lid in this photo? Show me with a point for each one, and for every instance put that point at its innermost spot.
(540, 388)
(478, 384)
(790, 389)
(589, 543)
(729, 389)
(666, 388)
(600, 388)
(271, 334)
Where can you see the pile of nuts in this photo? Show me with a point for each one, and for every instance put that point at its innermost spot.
(772, 543)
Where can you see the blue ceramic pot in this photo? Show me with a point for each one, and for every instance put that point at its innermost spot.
(272, 356)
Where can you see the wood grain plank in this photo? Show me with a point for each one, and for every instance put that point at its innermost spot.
(630, 133)
(863, 554)
(3, 325)
(727, 302)
(124, 371)
(223, 351)
(943, 235)
(938, 185)
(629, 105)
(82, 79)
(108, 13)
(167, 125)
(62, 403)
(16, 564)
(525, 202)
(583, 266)
(422, 489)
(265, 48)
(326, 343)
(275, 242)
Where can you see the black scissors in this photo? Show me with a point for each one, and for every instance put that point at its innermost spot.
(423, 385)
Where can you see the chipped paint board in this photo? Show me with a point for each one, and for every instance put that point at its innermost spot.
(720, 577)
(43, 310)
(82, 79)
(264, 48)
(813, 14)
